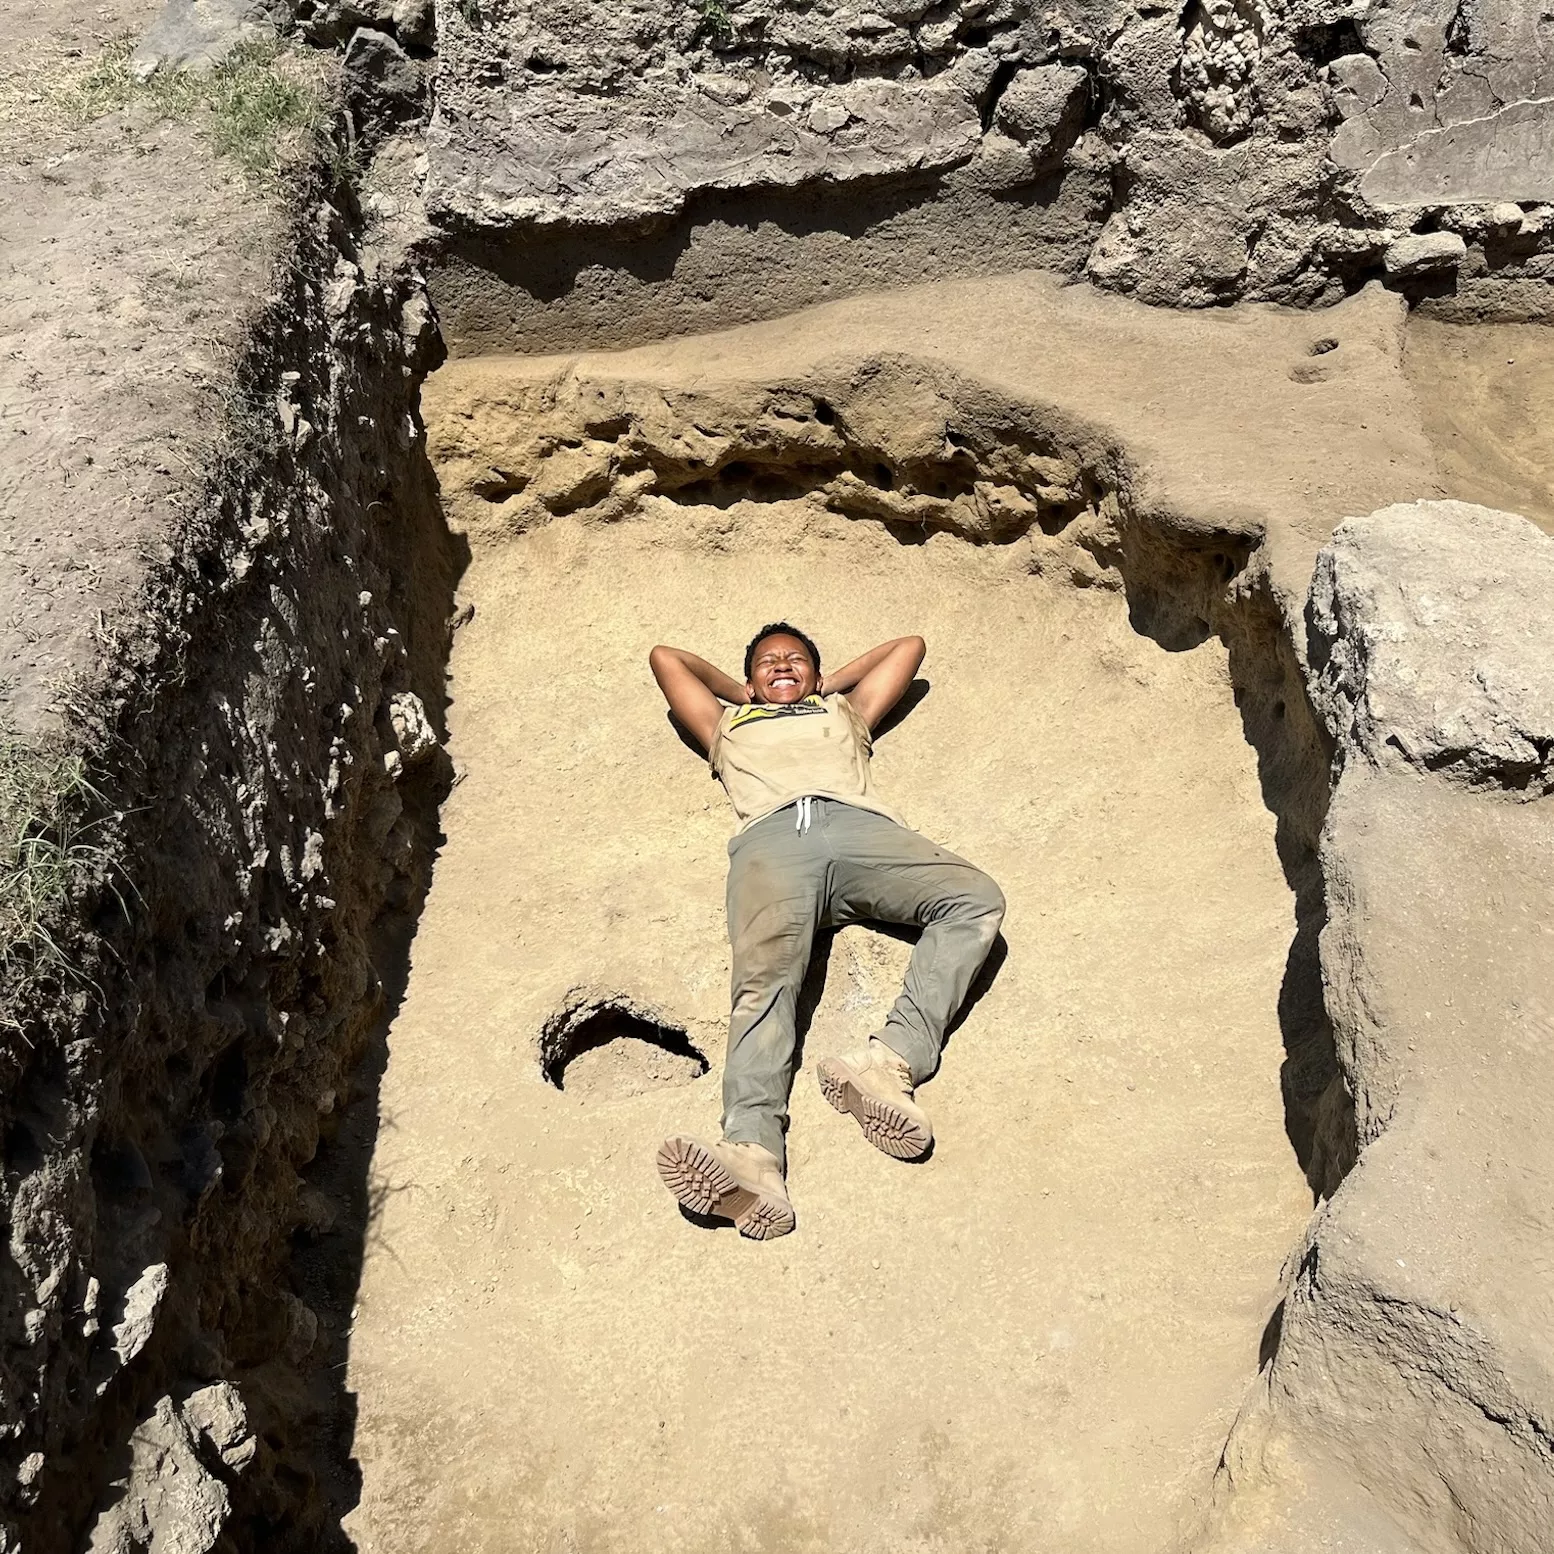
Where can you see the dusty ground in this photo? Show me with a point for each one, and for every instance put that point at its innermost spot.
(1037, 1339)
(128, 256)
(1484, 394)
(935, 1359)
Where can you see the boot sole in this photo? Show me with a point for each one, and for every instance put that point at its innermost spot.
(889, 1128)
(706, 1186)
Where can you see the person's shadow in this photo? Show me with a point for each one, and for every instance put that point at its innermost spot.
(911, 699)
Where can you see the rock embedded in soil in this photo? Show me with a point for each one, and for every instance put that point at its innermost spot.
(1424, 253)
(1042, 109)
(1430, 628)
(169, 1498)
(196, 35)
(384, 82)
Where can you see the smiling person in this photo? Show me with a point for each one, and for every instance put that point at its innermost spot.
(816, 846)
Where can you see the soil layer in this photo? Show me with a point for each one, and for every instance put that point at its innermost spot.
(1483, 395)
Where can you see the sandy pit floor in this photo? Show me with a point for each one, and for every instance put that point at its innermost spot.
(1037, 1339)
(1484, 394)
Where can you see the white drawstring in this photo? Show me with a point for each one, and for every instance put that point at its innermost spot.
(801, 815)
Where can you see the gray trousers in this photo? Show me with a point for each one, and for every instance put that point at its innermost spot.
(848, 865)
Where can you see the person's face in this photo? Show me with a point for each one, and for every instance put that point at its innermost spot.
(782, 671)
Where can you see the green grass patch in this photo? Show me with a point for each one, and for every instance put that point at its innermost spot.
(49, 819)
(716, 21)
(263, 105)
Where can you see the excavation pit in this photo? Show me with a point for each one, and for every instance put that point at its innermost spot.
(232, 577)
(1044, 1331)
(1040, 1338)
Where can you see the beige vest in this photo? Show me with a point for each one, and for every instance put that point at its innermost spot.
(768, 756)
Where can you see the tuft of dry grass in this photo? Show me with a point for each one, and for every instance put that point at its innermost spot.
(48, 854)
(263, 106)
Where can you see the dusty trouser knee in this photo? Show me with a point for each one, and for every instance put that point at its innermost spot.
(958, 933)
(848, 865)
(775, 887)
(888, 872)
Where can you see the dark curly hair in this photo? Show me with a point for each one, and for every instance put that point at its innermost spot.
(780, 629)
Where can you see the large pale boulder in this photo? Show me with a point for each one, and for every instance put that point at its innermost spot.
(1411, 1389)
(1432, 625)
(171, 1499)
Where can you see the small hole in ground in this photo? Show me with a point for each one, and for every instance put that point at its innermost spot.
(23, 1153)
(229, 1082)
(608, 1050)
(1323, 346)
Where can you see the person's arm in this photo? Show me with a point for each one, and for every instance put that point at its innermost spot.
(875, 681)
(692, 687)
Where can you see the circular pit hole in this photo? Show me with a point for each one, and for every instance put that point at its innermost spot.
(612, 1048)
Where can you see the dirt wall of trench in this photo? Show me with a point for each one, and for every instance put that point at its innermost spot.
(264, 739)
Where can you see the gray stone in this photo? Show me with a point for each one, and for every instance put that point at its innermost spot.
(1043, 109)
(383, 80)
(1430, 630)
(169, 1501)
(415, 21)
(1411, 1379)
(1420, 253)
(561, 159)
(1186, 234)
(217, 1413)
(1142, 60)
(1506, 155)
(1358, 83)
(1222, 49)
(725, 90)
(1432, 122)
(410, 21)
(197, 35)
(414, 737)
(142, 1302)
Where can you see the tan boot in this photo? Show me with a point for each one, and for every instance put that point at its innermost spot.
(741, 1182)
(875, 1085)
